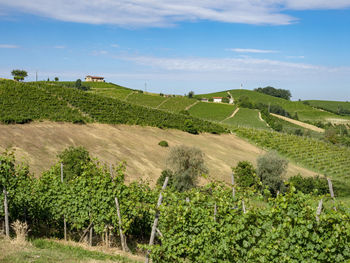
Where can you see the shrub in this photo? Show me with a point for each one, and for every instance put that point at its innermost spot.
(309, 185)
(165, 173)
(163, 144)
(245, 174)
(225, 100)
(190, 127)
(270, 170)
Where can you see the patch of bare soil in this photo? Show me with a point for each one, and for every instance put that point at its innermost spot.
(37, 144)
(299, 123)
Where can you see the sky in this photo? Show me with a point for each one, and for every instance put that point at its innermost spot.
(179, 46)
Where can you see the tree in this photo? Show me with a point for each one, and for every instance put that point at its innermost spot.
(190, 94)
(78, 83)
(245, 174)
(186, 164)
(19, 74)
(56, 78)
(270, 170)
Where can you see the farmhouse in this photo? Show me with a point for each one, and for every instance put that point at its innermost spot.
(217, 99)
(94, 79)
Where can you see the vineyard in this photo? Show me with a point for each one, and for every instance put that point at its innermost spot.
(247, 118)
(27, 102)
(212, 111)
(318, 155)
(211, 223)
(332, 106)
(305, 112)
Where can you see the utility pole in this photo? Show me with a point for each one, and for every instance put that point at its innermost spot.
(145, 87)
(36, 76)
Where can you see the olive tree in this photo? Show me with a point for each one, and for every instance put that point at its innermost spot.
(270, 170)
(186, 164)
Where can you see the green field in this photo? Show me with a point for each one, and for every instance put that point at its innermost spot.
(145, 100)
(177, 104)
(332, 106)
(212, 111)
(305, 112)
(247, 118)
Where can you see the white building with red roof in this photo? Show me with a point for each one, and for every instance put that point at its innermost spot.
(94, 79)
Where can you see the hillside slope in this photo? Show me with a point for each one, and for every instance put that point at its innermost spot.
(39, 143)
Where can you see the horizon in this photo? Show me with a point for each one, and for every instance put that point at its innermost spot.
(176, 48)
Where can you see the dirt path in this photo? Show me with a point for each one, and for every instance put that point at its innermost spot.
(190, 106)
(232, 100)
(126, 97)
(162, 102)
(299, 123)
(232, 115)
(38, 144)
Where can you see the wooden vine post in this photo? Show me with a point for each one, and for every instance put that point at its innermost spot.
(156, 219)
(233, 185)
(7, 226)
(319, 209)
(121, 233)
(330, 186)
(64, 218)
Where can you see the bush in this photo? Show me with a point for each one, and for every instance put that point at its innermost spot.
(163, 144)
(270, 170)
(164, 174)
(225, 100)
(309, 185)
(245, 174)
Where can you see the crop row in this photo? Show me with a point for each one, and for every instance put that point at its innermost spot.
(21, 103)
(113, 111)
(324, 157)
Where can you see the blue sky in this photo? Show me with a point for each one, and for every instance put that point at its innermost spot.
(178, 46)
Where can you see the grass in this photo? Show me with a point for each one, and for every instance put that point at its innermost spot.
(47, 251)
(212, 111)
(247, 118)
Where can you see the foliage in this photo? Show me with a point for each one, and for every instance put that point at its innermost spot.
(190, 95)
(56, 79)
(212, 111)
(270, 169)
(19, 74)
(310, 185)
(165, 173)
(279, 93)
(336, 107)
(318, 155)
(73, 159)
(186, 163)
(163, 144)
(245, 174)
(247, 118)
(22, 103)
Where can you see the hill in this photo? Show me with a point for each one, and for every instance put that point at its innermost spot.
(305, 112)
(38, 143)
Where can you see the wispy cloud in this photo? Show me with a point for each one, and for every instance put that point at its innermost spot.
(8, 46)
(59, 47)
(296, 57)
(115, 45)
(152, 13)
(250, 50)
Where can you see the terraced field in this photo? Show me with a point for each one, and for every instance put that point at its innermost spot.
(212, 111)
(333, 106)
(247, 118)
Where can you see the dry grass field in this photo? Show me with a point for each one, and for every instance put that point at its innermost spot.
(37, 144)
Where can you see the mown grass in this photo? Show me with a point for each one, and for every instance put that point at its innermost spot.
(212, 111)
(47, 251)
(247, 118)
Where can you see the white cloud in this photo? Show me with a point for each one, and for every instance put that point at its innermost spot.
(8, 46)
(115, 45)
(250, 50)
(296, 57)
(59, 47)
(136, 13)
